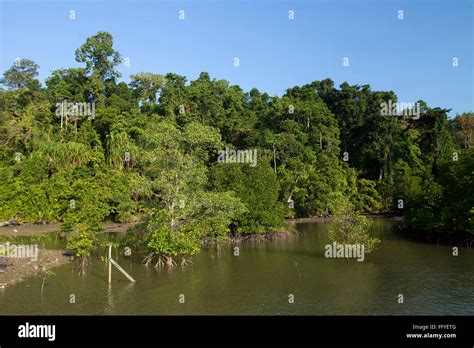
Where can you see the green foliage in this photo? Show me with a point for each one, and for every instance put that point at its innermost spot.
(165, 240)
(257, 187)
(146, 86)
(212, 215)
(100, 57)
(349, 226)
(150, 154)
(463, 126)
(445, 203)
(367, 199)
(82, 242)
(21, 74)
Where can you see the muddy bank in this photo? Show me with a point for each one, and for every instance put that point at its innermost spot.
(29, 229)
(267, 236)
(329, 218)
(309, 219)
(16, 269)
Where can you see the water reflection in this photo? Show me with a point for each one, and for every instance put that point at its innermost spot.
(260, 279)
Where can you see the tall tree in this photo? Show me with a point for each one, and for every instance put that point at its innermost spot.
(21, 74)
(101, 60)
(146, 86)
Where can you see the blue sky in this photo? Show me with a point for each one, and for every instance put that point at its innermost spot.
(412, 57)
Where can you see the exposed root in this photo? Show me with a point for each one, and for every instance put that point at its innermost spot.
(169, 261)
(184, 261)
(160, 262)
(83, 262)
(148, 259)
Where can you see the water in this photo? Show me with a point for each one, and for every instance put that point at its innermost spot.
(260, 280)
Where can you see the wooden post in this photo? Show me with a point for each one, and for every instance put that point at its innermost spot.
(112, 262)
(110, 265)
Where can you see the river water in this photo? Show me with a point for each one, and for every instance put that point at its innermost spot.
(263, 279)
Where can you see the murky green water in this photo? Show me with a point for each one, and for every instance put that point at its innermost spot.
(260, 279)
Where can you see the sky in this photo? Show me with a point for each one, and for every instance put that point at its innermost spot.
(412, 56)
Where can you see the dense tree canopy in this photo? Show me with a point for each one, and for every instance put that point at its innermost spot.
(149, 151)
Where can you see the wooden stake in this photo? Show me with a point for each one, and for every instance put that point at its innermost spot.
(110, 264)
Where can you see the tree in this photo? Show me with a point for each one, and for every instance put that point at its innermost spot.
(146, 86)
(101, 59)
(350, 227)
(463, 126)
(173, 97)
(150, 154)
(184, 211)
(21, 74)
(67, 84)
(257, 187)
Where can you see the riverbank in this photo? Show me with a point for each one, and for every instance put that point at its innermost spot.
(258, 237)
(329, 218)
(16, 269)
(30, 229)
